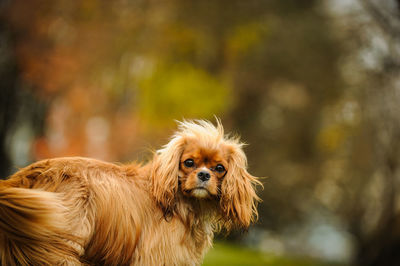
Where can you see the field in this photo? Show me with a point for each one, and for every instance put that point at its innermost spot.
(228, 254)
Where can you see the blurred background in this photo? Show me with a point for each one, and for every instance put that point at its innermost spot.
(312, 86)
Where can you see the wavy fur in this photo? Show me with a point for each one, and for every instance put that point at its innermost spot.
(80, 211)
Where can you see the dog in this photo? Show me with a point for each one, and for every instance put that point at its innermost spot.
(80, 211)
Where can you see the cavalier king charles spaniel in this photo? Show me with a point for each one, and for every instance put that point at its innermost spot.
(79, 211)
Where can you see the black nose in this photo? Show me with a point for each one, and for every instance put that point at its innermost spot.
(203, 175)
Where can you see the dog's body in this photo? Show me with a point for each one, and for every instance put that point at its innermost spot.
(73, 211)
(106, 208)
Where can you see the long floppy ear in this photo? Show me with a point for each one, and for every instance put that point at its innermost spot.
(164, 173)
(238, 196)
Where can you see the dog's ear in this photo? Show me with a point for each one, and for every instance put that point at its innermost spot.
(238, 196)
(164, 173)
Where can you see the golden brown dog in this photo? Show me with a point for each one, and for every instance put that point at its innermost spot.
(77, 211)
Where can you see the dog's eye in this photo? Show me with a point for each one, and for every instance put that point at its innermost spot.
(220, 168)
(188, 163)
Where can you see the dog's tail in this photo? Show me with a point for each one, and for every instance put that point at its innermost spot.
(32, 228)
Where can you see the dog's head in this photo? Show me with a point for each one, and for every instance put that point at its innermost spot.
(201, 163)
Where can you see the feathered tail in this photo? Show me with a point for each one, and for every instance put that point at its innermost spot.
(31, 229)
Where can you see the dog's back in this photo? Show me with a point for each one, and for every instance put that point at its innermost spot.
(50, 210)
(32, 219)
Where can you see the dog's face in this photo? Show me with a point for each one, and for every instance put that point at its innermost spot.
(200, 162)
(202, 170)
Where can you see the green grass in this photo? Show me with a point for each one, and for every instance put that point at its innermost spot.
(228, 254)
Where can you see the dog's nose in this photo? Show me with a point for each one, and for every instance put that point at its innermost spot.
(203, 175)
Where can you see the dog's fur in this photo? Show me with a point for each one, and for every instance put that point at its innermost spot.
(77, 211)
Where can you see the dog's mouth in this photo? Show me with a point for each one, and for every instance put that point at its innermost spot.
(200, 192)
(200, 188)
